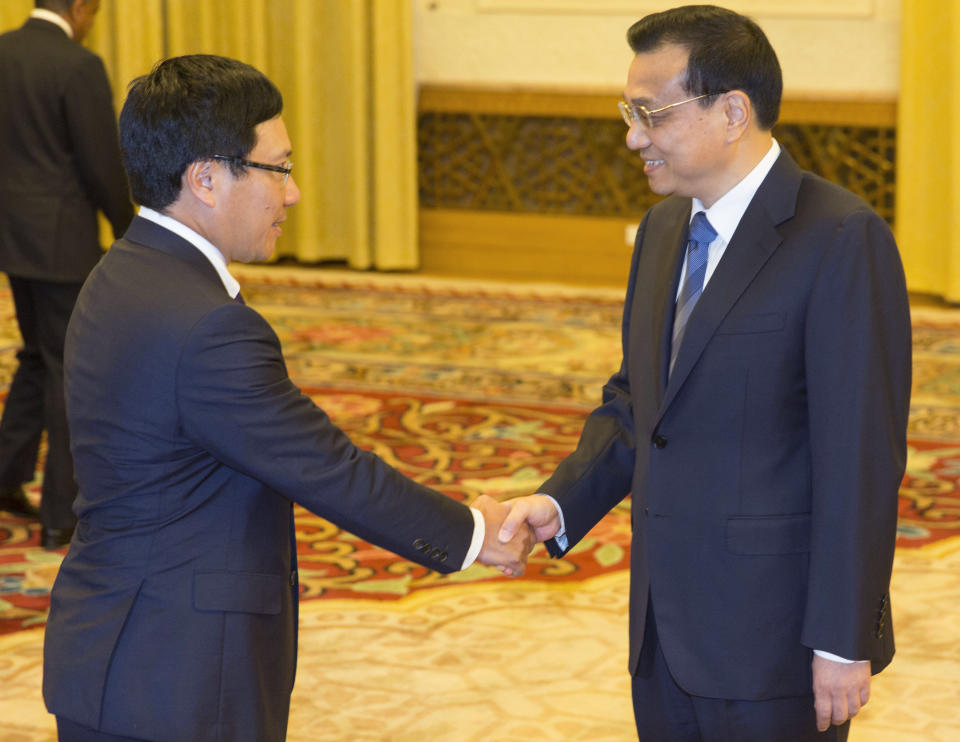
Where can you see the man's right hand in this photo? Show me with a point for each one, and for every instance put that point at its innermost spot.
(537, 511)
(508, 555)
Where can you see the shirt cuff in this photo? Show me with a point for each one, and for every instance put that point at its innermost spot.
(561, 538)
(479, 533)
(835, 658)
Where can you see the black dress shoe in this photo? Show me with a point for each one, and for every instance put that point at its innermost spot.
(54, 538)
(16, 503)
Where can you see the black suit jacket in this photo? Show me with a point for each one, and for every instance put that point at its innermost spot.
(174, 614)
(765, 470)
(59, 155)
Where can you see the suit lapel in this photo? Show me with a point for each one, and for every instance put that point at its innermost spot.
(754, 241)
(652, 296)
(666, 276)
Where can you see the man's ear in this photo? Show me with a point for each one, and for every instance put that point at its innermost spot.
(75, 13)
(199, 180)
(738, 112)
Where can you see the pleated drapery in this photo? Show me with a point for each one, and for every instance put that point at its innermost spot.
(345, 68)
(928, 148)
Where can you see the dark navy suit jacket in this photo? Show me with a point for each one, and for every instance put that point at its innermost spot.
(59, 155)
(174, 615)
(765, 470)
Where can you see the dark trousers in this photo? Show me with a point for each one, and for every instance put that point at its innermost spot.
(67, 731)
(664, 712)
(35, 401)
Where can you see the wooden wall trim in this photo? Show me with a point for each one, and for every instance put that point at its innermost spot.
(521, 101)
(536, 184)
(586, 251)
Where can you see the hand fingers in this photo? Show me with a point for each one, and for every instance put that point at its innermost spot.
(833, 710)
(840, 711)
(856, 700)
(824, 709)
(484, 502)
(853, 703)
(511, 523)
(531, 539)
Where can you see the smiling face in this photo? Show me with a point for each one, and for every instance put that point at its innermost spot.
(685, 152)
(250, 207)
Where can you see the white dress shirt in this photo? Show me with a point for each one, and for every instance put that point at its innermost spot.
(725, 215)
(49, 15)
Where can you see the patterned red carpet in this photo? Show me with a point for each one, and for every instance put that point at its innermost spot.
(475, 388)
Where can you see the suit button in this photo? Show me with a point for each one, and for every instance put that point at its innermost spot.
(293, 578)
(659, 441)
(442, 557)
(435, 554)
(418, 544)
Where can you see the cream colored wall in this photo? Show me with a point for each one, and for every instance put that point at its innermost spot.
(826, 47)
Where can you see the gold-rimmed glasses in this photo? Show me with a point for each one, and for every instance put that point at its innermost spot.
(634, 113)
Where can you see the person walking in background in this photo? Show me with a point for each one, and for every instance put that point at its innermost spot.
(59, 164)
(759, 415)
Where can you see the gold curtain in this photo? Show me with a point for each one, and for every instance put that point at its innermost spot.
(928, 148)
(13, 13)
(345, 68)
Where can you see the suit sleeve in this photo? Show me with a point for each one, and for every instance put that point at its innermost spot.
(93, 133)
(598, 474)
(858, 360)
(237, 402)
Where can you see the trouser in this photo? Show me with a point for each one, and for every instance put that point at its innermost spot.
(664, 712)
(67, 731)
(35, 401)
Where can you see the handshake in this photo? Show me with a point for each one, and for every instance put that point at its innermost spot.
(513, 528)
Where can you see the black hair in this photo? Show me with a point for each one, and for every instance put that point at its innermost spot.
(186, 109)
(727, 51)
(57, 6)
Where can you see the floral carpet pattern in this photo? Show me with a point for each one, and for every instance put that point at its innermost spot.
(473, 388)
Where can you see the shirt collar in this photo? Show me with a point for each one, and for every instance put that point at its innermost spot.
(48, 15)
(201, 243)
(727, 212)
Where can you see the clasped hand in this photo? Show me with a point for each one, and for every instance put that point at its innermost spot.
(513, 528)
(508, 555)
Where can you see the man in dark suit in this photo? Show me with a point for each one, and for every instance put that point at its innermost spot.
(59, 165)
(174, 614)
(759, 414)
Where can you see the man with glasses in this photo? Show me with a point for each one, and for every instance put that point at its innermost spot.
(59, 166)
(759, 414)
(174, 614)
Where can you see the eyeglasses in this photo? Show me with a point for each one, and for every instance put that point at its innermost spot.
(286, 168)
(634, 114)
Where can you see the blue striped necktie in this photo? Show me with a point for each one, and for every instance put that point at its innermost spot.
(702, 234)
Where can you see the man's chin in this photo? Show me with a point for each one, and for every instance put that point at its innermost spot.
(661, 188)
(266, 252)
(659, 181)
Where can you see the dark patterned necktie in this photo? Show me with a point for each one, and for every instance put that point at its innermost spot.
(702, 234)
